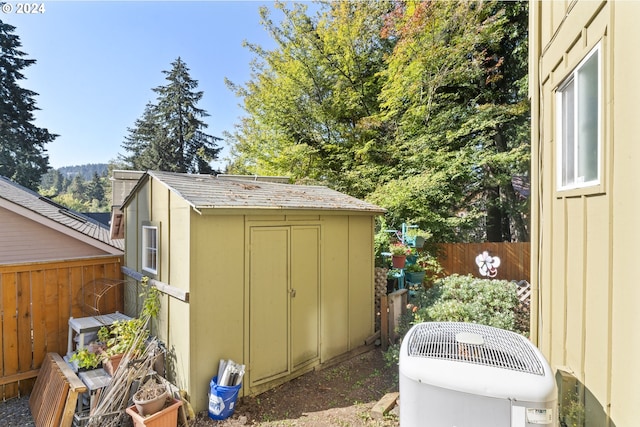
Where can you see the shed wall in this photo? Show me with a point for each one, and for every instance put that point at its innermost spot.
(583, 241)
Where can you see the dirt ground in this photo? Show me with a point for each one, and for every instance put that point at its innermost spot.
(342, 395)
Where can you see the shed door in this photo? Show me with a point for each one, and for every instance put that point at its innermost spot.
(268, 303)
(305, 300)
(284, 284)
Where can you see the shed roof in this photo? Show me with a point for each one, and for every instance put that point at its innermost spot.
(44, 210)
(209, 192)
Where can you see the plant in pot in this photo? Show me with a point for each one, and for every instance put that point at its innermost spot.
(399, 254)
(129, 336)
(150, 397)
(417, 237)
(86, 358)
(415, 273)
(153, 405)
(119, 338)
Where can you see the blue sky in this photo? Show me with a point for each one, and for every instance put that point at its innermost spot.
(98, 61)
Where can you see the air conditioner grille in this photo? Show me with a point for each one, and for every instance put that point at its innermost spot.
(499, 348)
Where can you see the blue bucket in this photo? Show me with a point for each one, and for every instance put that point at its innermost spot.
(222, 399)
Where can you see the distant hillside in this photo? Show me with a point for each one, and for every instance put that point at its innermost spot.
(86, 171)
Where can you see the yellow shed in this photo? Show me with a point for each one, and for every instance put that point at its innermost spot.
(276, 276)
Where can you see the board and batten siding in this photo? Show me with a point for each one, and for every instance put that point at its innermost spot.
(24, 240)
(584, 273)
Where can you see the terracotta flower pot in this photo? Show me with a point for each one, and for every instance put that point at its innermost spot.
(111, 365)
(398, 261)
(167, 417)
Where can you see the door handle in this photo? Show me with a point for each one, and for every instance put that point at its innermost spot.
(292, 292)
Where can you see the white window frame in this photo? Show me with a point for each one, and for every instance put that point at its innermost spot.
(576, 181)
(150, 250)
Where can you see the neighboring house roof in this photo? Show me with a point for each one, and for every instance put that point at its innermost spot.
(209, 192)
(19, 199)
(103, 218)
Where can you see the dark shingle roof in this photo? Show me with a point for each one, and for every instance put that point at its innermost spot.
(207, 191)
(50, 210)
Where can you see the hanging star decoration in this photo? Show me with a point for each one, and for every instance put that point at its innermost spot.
(487, 264)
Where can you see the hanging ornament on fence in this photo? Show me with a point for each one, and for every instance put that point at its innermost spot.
(487, 264)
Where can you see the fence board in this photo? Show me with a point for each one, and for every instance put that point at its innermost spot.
(10, 331)
(51, 310)
(38, 313)
(36, 301)
(459, 258)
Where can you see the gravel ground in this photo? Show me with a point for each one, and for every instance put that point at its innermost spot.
(15, 413)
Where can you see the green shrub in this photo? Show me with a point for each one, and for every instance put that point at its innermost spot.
(461, 299)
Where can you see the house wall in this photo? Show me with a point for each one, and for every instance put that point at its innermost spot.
(582, 241)
(24, 240)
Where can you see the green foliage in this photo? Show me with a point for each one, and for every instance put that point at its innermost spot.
(23, 156)
(381, 242)
(309, 99)
(84, 188)
(420, 107)
(86, 359)
(131, 335)
(573, 412)
(398, 249)
(414, 268)
(468, 299)
(170, 134)
(461, 299)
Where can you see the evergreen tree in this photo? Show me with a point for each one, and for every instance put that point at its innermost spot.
(170, 135)
(94, 188)
(22, 144)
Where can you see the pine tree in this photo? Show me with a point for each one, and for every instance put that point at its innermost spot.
(170, 135)
(22, 144)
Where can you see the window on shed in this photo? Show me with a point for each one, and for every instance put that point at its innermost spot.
(150, 248)
(579, 124)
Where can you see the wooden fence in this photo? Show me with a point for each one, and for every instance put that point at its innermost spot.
(36, 301)
(460, 258)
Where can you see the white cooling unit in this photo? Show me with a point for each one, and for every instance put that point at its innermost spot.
(467, 375)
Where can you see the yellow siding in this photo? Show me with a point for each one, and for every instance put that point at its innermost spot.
(585, 269)
(334, 304)
(360, 276)
(217, 304)
(624, 312)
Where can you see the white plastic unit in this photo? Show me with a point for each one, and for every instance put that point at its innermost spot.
(467, 375)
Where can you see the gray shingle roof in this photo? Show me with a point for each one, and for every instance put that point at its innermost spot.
(48, 209)
(207, 191)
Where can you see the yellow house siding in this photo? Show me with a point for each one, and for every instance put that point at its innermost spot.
(596, 331)
(584, 241)
(625, 314)
(335, 290)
